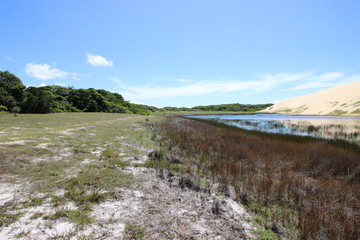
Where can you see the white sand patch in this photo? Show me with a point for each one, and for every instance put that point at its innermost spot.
(120, 138)
(89, 161)
(241, 213)
(96, 152)
(7, 192)
(16, 142)
(26, 225)
(60, 228)
(69, 131)
(43, 145)
(65, 152)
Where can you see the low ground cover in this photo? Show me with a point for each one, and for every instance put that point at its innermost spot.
(55, 160)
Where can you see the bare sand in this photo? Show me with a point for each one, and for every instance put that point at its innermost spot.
(339, 100)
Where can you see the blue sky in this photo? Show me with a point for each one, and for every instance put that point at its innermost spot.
(183, 53)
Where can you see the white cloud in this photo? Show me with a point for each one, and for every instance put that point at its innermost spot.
(183, 80)
(327, 77)
(325, 80)
(44, 71)
(115, 79)
(43, 84)
(265, 82)
(60, 84)
(194, 89)
(97, 60)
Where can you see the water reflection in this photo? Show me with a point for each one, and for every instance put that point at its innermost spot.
(329, 127)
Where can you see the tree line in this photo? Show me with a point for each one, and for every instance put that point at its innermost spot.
(235, 107)
(16, 98)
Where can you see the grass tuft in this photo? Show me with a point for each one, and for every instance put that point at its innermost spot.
(133, 231)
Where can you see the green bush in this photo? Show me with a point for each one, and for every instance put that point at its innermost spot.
(3, 108)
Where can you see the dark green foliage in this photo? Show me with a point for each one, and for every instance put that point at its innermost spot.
(38, 100)
(11, 90)
(236, 107)
(52, 99)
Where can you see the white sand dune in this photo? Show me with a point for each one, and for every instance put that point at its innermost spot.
(339, 100)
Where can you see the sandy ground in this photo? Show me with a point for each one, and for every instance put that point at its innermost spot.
(331, 101)
(158, 202)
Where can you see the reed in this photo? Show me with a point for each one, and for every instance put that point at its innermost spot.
(309, 186)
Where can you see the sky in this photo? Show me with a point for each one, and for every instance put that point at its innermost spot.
(183, 53)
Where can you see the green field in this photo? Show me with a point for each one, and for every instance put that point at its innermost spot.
(56, 159)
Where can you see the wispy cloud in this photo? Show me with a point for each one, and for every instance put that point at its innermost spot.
(44, 71)
(184, 80)
(264, 82)
(325, 80)
(115, 79)
(192, 89)
(97, 60)
(10, 59)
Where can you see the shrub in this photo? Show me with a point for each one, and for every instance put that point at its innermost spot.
(3, 108)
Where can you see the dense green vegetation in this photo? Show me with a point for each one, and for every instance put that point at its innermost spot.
(235, 107)
(15, 97)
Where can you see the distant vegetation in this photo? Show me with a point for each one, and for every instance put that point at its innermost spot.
(15, 97)
(235, 107)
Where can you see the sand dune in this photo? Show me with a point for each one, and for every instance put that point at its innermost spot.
(339, 100)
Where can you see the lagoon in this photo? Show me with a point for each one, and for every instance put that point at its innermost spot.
(327, 127)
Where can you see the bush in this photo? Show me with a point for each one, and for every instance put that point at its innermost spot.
(3, 108)
(15, 110)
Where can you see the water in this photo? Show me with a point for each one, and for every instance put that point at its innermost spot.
(329, 127)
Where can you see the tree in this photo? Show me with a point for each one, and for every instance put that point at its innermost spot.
(39, 100)
(11, 90)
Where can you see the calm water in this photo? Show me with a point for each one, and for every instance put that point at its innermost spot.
(329, 127)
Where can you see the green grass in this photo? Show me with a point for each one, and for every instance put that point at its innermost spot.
(133, 231)
(80, 216)
(33, 202)
(55, 153)
(265, 234)
(338, 112)
(356, 111)
(287, 110)
(357, 104)
(6, 218)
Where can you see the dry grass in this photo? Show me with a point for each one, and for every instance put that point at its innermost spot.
(311, 187)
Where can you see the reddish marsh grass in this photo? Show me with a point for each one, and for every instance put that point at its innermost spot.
(309, 185)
